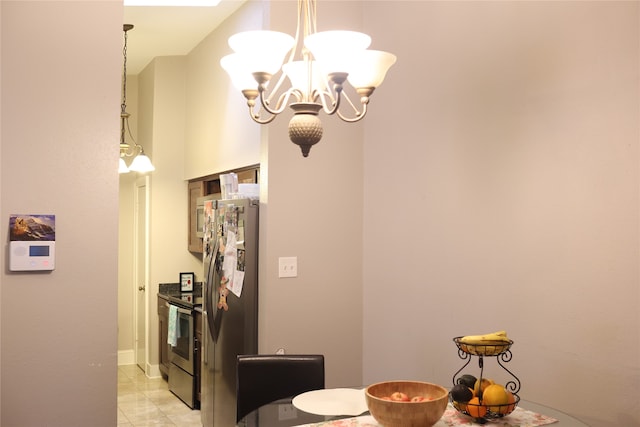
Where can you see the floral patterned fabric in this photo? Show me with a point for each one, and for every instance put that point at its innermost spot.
(452, 418)
(518, 418)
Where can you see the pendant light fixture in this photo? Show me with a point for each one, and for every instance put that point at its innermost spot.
(329, 59)
(141, 163)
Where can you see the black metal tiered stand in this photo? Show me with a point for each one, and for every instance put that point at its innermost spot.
(501, 350)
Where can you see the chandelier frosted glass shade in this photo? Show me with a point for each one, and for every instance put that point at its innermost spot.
(369, 68)
(141, 163)
(122, 166)
(335, 50)
(270, 42)
(261, 51)
(238, 67)
(300, 73)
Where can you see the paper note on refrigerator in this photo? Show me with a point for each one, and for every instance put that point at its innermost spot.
(238, 275)
(230, 258)
(238, 280)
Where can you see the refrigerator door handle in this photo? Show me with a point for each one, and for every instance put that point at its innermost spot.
(212, 314)
(205, 343)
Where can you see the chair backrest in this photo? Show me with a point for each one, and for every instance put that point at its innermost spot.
(263, 378)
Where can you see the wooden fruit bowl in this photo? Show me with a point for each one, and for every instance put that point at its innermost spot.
(407, 414)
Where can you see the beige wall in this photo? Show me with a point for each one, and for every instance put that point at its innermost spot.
(126, 290)
(503, 195)
(314, 212)
(168, 226)
(160, 117)
(219, 134)
(184, 140)
(302, 203)
(515, 199)
(60, 85)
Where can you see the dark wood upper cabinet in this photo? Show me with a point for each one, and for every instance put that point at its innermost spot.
(210, 186)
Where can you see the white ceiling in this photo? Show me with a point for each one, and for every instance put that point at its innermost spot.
(168, 31)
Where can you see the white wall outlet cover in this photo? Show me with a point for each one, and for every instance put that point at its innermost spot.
(286, 412)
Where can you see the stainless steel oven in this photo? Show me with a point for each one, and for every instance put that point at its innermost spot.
(181, 356)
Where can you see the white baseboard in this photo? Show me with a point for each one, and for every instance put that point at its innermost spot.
(153, 371)
(126, 357)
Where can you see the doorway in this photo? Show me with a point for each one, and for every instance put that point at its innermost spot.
(141, 271)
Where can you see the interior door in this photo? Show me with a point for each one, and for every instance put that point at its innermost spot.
(141, 272)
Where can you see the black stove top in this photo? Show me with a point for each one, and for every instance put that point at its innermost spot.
(172, 292)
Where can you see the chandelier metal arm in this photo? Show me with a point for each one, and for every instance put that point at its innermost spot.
(359, 115)
(256, 116)
(252, 95)
(282, 102)
(365, 94)
(331, 107)
(336, 104)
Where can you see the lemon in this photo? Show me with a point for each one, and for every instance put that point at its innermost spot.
(480, 386)
(495, 395)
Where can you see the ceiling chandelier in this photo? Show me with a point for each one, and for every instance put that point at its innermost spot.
(141, 162)
(328, 60)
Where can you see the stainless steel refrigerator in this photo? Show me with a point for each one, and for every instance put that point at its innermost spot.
(230, 303)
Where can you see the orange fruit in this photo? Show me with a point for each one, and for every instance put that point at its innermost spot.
(494, 396)
(511, 404)
(475, 409)
(462, 407)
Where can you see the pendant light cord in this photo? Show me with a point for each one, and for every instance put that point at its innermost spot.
(124, 69)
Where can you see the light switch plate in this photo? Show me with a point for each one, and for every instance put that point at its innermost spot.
(288, 266)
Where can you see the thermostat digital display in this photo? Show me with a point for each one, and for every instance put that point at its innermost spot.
(38, 250)
(32, 242)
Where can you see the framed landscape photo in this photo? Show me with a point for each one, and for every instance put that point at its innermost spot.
(186, 281)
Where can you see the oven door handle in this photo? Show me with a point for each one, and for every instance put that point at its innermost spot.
(180, 310)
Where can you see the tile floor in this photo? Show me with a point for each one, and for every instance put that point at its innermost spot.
(146, 402)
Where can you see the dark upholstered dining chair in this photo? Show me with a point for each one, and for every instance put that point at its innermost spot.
(263, 378)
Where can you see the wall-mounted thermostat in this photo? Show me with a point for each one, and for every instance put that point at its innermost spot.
(32, 242)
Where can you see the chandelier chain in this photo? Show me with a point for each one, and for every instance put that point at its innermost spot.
(124, 73)
(125, 128)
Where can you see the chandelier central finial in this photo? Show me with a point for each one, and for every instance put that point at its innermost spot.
(329, 59)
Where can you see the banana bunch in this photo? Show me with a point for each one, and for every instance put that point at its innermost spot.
(499, 336)
(485, 345)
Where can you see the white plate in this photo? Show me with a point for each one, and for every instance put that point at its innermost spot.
(332, 401)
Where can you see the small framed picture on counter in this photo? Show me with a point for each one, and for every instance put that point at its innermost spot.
(186, 281)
